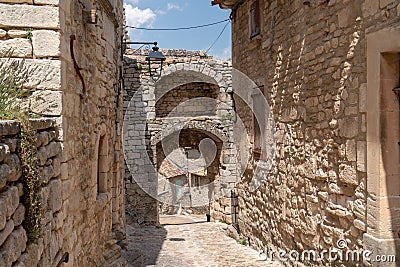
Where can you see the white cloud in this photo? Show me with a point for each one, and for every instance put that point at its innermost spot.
(160, 12)
(226, 53)
(137, 17)
(174, 6)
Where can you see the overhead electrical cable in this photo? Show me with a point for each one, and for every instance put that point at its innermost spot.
(178, 29)
(216, 40)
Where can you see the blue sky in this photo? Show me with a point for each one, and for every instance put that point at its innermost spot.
(180, 13)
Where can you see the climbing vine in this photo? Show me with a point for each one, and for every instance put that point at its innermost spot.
(31, 181)
(13, 74)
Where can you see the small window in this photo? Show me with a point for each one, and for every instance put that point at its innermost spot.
(259, 123)
(255, 19)
(196, 181)
(257, 139)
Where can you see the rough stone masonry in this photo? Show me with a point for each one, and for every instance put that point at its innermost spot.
(328, 69)
(192, 102)
(76, 62)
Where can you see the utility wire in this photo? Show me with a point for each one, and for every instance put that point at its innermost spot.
(219, 36)
(140, 48)
(178, 29)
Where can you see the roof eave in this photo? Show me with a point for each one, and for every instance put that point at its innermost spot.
(226, 4)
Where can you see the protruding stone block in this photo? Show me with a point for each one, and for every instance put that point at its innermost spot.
(13, 247)
(6, 231)
(46, 74)
(45, 17)
(43, 73)
(370, 7)
(348, 174)
(17, 47)
(18, 215)
(55, 197)
(384, 3)
(47, 2)
(46, 43)
(48, 103)
(18, 1)
(348, 127)
(17, 33)
(4, 151)
(15, 168)
(3, 213)
(11, 199)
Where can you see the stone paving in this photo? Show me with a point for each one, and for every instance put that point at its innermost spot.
(188, 241)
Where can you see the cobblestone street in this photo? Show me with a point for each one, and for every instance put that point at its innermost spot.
(187, 241)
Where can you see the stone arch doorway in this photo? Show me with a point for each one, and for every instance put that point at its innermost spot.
(188, 165)
(380, 156)
(191, 108)
(195, 96)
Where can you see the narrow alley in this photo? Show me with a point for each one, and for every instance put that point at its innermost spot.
(188, 241)
(277, 119)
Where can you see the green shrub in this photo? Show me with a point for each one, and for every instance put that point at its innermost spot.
(13, 74)
(28, 33)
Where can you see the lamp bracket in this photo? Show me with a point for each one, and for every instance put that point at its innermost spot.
(141, 43)
(397, 92)
(90, 16)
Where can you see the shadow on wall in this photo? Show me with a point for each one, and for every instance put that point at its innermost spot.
(390, 116)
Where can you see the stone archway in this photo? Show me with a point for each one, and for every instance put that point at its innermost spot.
(225, 173)
(191, 101)
(192, 158)
(380, 155)
(202, 84)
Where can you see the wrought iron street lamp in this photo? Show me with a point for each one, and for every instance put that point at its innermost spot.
(155, 57)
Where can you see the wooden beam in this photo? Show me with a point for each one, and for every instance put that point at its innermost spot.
(216, 2)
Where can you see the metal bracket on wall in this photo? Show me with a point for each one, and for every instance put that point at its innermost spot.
(397, 92)
(64, 259)
(90, 16)
(76, 67)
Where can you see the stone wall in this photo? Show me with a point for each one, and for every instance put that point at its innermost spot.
(192, 95)
(35, 36)
(77, 67)
(14, 249)
(191, 100)
(310, 59)
(92, 132)
(141, 209)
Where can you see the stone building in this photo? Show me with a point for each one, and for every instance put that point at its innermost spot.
(74, 50)
(178, 134)
(327, 69)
